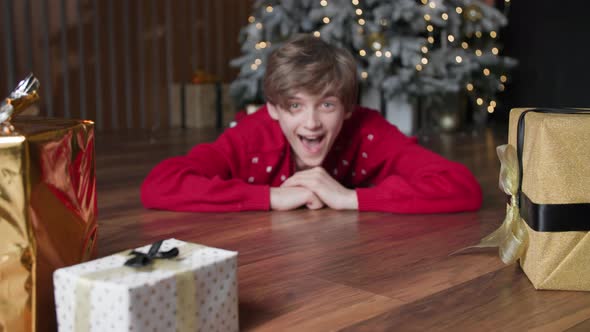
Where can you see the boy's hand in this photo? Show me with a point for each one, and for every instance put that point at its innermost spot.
(325, 187)
(283, 199)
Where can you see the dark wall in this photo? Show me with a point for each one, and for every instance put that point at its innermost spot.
(551, 40)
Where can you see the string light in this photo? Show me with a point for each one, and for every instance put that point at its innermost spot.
(469, 87)
(493, 34)
(269, 9)
(424, 49)
(253, 67)
(478, 34)
(355, 2)
(493, 103)
(378, 54)
(490, 109)
(503, 78)
(362, 52)
(258, 25)
(431, 39)
(251, 19)
(445, 16)
(364, 75)
(424, 61)
(326, 20)
(361, 21)
(464, 45)
(387, 54)
(479, 101)
(486, 72)
(495, 51)
(316, 33)
(359, 11)
(418, 67)
(432, 5)
(458, 59)
(459, 10)
(451, 38)
(424, 2)
(427, 17)
(324, 3)
(478, 52)
(258, 62)
(501, 87)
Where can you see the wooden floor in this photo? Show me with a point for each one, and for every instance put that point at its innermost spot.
(330, 270)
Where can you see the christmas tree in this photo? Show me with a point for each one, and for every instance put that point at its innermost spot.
(423, 50)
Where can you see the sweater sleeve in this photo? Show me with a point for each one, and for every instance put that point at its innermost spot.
(204, 180)
(412, 179)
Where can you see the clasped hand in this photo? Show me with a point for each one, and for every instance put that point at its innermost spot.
(313, 188)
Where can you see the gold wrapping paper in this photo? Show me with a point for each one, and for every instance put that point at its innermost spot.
(47, 214)
(556, 170)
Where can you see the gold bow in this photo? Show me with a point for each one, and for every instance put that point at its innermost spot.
(511, 237)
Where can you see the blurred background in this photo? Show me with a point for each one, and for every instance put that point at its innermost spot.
(435, 65)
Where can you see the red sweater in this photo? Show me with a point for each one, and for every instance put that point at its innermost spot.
(390, 171)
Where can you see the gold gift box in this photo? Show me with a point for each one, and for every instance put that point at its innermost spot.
(47, 214)
(555, 197)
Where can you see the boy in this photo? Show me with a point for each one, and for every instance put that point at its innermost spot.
(310, 146)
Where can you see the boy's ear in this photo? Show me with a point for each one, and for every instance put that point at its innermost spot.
(272, 111)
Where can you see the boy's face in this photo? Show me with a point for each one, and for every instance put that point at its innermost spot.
(311, 125)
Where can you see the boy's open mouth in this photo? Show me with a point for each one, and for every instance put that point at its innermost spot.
(312, 143)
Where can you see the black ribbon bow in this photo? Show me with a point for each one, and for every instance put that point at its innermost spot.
(140, 259)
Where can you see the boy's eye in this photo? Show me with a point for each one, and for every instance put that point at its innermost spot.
(294, 106)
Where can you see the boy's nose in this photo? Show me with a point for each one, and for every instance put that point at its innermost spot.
(312, 120)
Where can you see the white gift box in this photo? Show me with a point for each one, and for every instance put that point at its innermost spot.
(195, 291)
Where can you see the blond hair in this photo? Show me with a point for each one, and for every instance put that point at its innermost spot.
(308, 64)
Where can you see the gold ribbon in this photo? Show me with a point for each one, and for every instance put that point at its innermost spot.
(511, 237)
(185, 285)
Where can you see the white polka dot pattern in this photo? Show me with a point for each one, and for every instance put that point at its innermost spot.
(198, 290)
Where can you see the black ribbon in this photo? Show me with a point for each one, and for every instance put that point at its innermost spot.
(549, 217)
(140, 259)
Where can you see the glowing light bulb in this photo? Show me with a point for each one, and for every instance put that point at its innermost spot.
(469, 87)
(364, 75)
(424, 49)
(258, 25)
(251, 19)
(326, 20)
(503, 78)
(495, 51)
(445, 16)
(479, 101)
(388, 54)
(427, 17)
(269, 9)
(430, 28)
(431, 40)
(324, 3)
(418, 67)
(424, 61)
(451, 38)
(316, 33)
(486, 72)
(458, 59)
(464, 45)
(258, 62)
(493, 34)
(493, 103)
(355, 2)
(362, 52)
(378, 54)
(459, 10)
(490, 109)
(478, 52)
(359, 11)
(361, 22)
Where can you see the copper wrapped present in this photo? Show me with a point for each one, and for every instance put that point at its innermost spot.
(47, 208)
